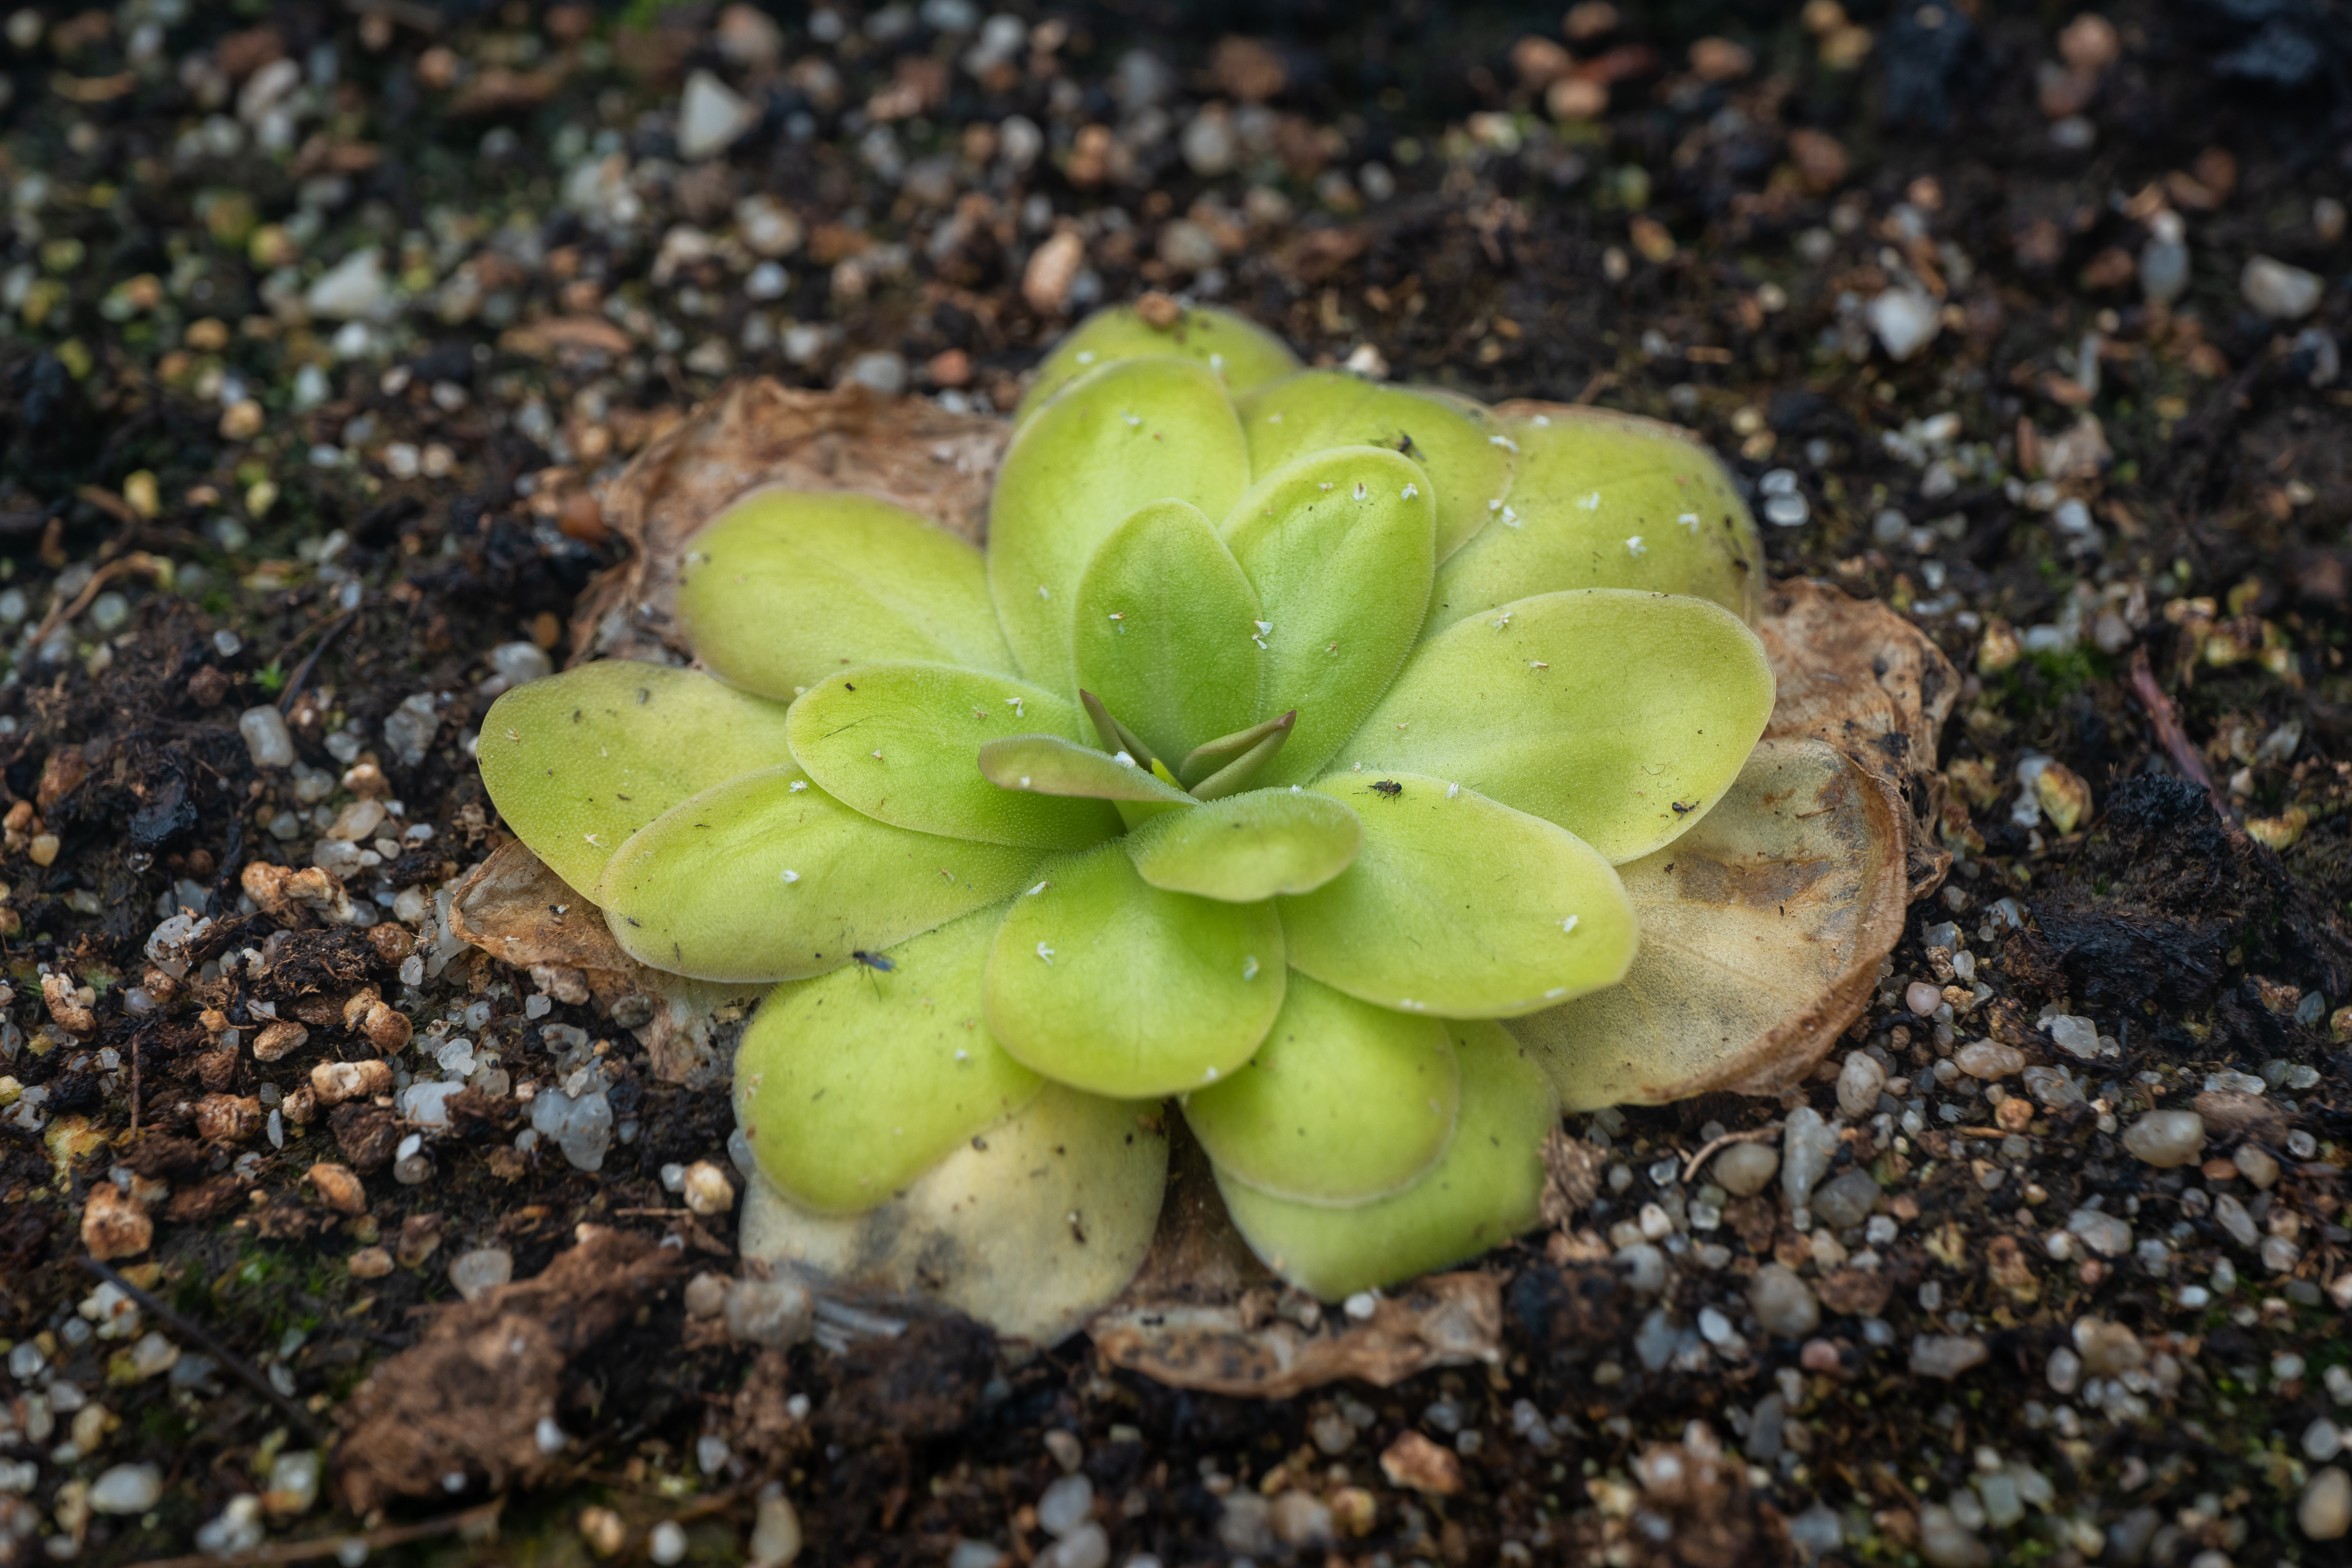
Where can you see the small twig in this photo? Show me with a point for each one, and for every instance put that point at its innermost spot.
(302, 670)
(137, 561)
(330, 1546)
(1752, 1135)
(2172, 738)
(204, 1336)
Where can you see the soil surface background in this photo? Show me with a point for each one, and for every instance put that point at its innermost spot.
(1962, 293)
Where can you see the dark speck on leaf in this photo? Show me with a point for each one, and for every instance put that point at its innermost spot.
(1389, 787)
(1680, 809)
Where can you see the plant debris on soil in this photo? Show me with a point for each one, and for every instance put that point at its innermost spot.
(325, 331)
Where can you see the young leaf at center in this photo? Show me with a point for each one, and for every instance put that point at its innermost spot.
(1166, 631)
(1345, 1102)
(1102, 981)
(852, 1084)
(1338, 546)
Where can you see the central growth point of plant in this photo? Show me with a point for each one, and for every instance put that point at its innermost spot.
(1272, 759)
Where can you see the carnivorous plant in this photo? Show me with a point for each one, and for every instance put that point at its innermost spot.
(1268, 765)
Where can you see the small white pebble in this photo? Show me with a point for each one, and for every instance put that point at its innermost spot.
(666, 1543)
(1361, 1306)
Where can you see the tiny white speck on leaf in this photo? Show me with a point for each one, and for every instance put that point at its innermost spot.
(791, 875)
(1511, 518)
(1044, 592)
(1125, 760)
(1087, 357)
(1689, 520)
(962, 1055)
(1592, 502)
(1505, 442)
(1361, 491)
(1495, 505)
(1040, 888)
(1453, 790)
(1209, 1074)
(1264, 628)
(876, 754)
(1633, 546)
(1408, 493)
(798, 785)
(1045, 952)
(1249, 966)
(1537, 663)
(1014, 703)
(1503, 620)
(1568, 925)
(1024, 780)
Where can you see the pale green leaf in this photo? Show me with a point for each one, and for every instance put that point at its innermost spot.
(578, 762)
(1248, 847)
(900, 742)
(1622, 716)
(1166, 634)
(1049, 765)
(1244, 353)
(769, 878)
(1343, 1104)
(1484, 1189)
(786, 587)
(1032, 1227)
(851, 1085)
(1102, 981)
(1607, 500)
(1338, 547)
(1458, 906)
(1123, 434)
(1462, 450)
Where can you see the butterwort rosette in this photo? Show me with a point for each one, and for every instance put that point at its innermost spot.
(1267, 766)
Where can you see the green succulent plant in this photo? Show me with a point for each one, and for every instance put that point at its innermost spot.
(1275, 758)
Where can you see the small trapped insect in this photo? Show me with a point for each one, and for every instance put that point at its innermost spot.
(874, 960)
(1683, 810)
(1388, 787)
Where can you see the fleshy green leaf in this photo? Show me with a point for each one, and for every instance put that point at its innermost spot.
(1622, 716)
(1338, 547)
(1607, 500)
(1032, 1227)
(789, 586)
(1119, 436)
(897, 741)
(1166, 632)
(1345, 1102)
(1459, 906)
(578, 762)
(1052, 767)
(851, 1085)
(1462, 450)
(1483, 1191)
(1102, 981)
(769, 878)
(1248, 847)
(1244, 353)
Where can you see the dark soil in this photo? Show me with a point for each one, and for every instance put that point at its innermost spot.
(1689, 254)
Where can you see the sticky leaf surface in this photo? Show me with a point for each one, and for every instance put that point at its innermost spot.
(1248, 847)
(1119, 436)
(1166, 632)
(1607, 500)
(1482, 1191)
(1108, 984)
(853, 1084)
(1343, 1104)
(1462, 450)
(1241, 352)
(1338, 547)
(1459, 906)
(790, 586)
(580, 761)
(899, 742)
(703, 889)
(1621, 716)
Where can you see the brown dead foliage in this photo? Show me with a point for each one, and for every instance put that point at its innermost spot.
(468, 1398)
